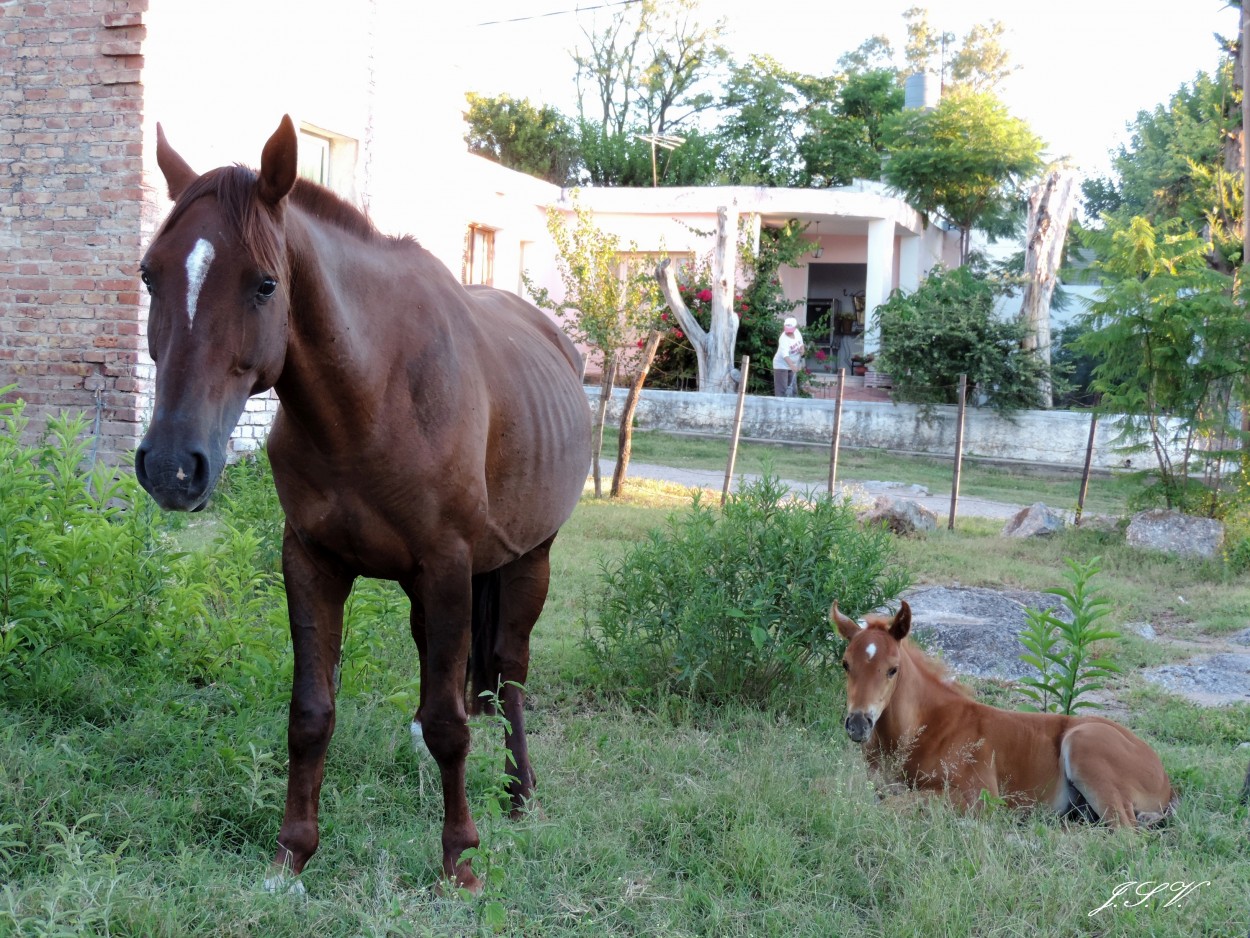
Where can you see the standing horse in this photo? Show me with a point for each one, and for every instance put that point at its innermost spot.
(428, 433)
(920, 728)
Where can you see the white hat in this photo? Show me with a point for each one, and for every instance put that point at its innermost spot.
(790, 322)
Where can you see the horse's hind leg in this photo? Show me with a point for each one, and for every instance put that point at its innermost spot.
(1118, 774)
(522, 594)
(315, 600)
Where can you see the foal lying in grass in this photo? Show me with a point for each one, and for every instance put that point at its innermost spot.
(922, 729)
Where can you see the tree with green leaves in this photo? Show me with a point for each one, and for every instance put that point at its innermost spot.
(967, 159)
(947, 328)
(1169, 336)
(605, 305)
(529, 138)
(979, 64)
(1174, 166)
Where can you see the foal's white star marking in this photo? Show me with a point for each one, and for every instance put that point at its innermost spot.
(870, 651)
(198, 261)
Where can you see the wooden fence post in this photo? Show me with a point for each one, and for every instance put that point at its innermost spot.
(959, 449)
(1089, 461)
(837, 430)
(737, 428)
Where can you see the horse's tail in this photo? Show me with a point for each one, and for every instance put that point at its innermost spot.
(483, 669)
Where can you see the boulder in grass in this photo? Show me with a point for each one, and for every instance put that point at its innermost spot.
(903, 516)
(1174, 533)
(1035, 521)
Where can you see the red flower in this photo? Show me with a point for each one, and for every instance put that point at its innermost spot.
(678, 334)
(641, 343)
(705, 296)
(820, 355)
(664, 317)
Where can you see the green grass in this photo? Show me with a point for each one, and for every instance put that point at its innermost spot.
(1108, 493)
(151, 809)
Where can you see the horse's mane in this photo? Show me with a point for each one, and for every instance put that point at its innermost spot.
(234, 187)
(934, 669)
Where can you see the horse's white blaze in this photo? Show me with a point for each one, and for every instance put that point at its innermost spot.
(198, 261)
(871, 651)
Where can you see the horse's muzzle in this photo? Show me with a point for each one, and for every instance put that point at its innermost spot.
(178, 480)
(858, 726)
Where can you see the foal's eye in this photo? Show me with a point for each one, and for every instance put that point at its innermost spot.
(267, 288)
(147, 279)
(845, 666)
(891, 672)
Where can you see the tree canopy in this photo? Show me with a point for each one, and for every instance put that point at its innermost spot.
(967, 159)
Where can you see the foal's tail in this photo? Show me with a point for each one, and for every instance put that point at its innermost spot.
(483, 670)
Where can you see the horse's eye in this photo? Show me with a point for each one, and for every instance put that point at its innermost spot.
(267, 288)
(845, 666)
(147, 279)
(891, 672)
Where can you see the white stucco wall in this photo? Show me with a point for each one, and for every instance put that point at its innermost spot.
(1036, 437)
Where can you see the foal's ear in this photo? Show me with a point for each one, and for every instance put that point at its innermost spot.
(178, 174)
(848, 628)
(902, 622)
(278, 165)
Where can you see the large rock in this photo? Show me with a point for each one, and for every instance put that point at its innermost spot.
(1209, 679)
(903, 516)
(977, 631)
(1174, 533)
(1035, 521)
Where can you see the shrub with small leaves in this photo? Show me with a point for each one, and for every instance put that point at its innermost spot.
(734, 603)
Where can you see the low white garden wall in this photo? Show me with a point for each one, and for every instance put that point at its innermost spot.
(1040, 437)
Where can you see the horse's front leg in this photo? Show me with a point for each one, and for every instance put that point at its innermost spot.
(446, 592)
(316, 592)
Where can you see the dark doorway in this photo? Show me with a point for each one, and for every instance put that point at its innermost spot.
(835, 305)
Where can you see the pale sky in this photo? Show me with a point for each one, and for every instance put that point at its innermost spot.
(1086, 67)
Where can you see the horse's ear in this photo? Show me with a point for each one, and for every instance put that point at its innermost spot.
(902, 622)
(278, 166)
(847, 627)
(178, 174)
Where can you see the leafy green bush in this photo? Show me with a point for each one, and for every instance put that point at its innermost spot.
(83, 577)
(734, 603)
(947, 328)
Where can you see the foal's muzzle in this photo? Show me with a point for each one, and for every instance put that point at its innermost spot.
(858, 726)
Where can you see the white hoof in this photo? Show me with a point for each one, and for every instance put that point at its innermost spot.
(289, 885)
(418, 739)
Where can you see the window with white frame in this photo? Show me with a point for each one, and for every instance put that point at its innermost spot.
(328, 158)
(479, 256)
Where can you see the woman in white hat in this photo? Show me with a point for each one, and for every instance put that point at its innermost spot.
(787, 360)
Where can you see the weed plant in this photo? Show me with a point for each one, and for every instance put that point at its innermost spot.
(733, 603)
(1062, 649)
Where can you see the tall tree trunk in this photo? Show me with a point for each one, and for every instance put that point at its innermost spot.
(625, 439)
(1050, 210)
(713, 347)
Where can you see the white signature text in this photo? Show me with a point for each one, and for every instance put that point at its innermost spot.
(1139, 893)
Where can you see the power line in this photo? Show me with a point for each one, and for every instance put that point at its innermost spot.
(539, 16)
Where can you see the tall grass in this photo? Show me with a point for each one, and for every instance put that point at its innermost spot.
(143, 796)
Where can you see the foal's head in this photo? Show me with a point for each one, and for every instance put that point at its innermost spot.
(872, 659)
(217, 329)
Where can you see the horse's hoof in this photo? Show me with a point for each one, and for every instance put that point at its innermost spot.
(418, 739)
(280, 883)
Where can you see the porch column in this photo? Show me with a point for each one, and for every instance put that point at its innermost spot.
(880, 276)
(909, 263)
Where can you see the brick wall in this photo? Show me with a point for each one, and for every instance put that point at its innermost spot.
(72, 211)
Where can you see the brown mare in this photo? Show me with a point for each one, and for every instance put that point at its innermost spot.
(428, 433)
(920, 728)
